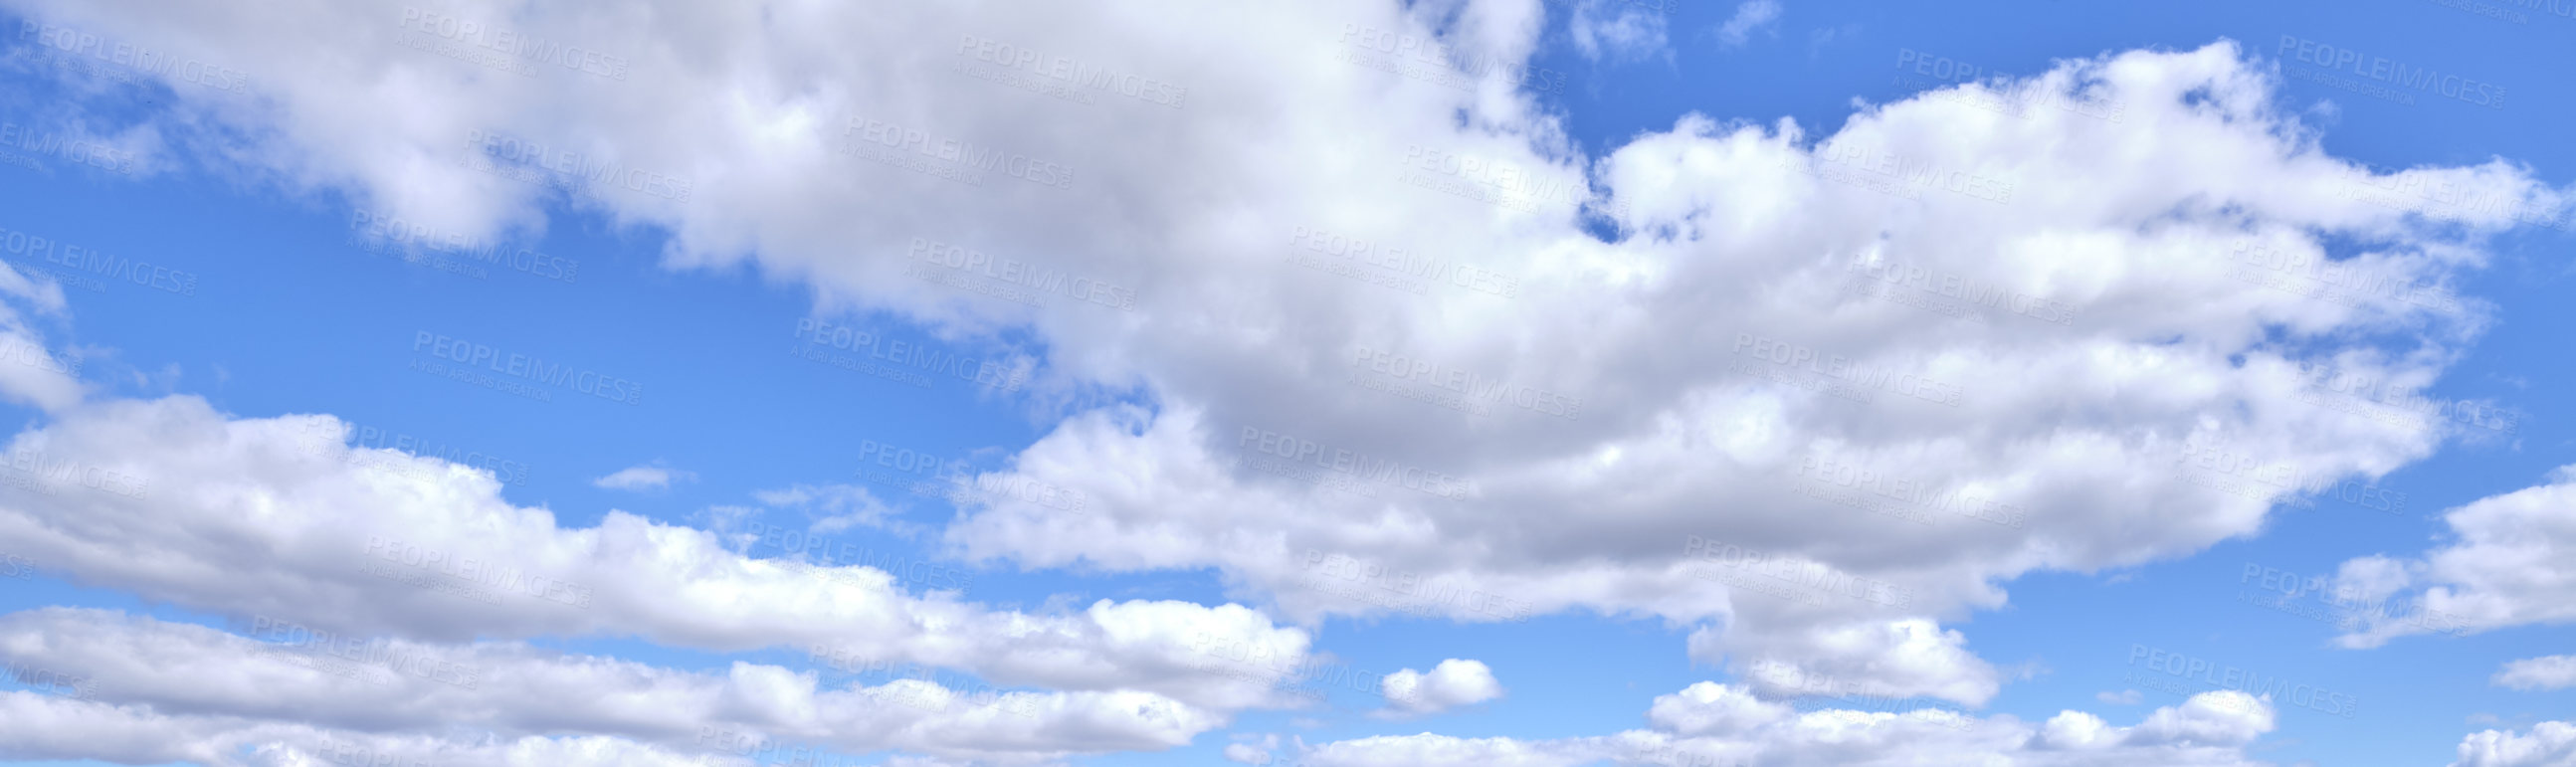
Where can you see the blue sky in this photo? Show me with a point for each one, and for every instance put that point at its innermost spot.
(681, 380)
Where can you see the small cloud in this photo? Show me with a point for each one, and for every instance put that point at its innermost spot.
(2121, 698)
(1245, 753)
(2551, 672)
(1451, 684)
(1751, 16)
(1629, 34)
(641, 478)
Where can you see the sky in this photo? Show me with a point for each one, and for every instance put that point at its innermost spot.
(1340, 383)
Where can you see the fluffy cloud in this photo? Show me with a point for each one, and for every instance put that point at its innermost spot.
(642, 478)
(290, 674)
(244, 516)
(1811, 333)
(2548, 743)
(1897, 659)
(1451, 684)
(2511, 561)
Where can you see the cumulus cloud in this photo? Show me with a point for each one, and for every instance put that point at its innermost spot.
(1451, 684)
(1330, 447)
(2510, 560)
(642, 478)
(443, 557)
(2547, 744)
(288, 674)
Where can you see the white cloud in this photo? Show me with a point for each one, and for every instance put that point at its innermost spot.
(2121, 698)
(37, 726)
(289, 675)
(640, 478)
(2124, 228)
(1451, 684)
(2549, 744)
(443, 557)
(1894, 659)
(1712, 709)
(2549, 672)
(1246, 753)
(2210, 728)
(1617, 30)
(2510, 561)
(1751, 16)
